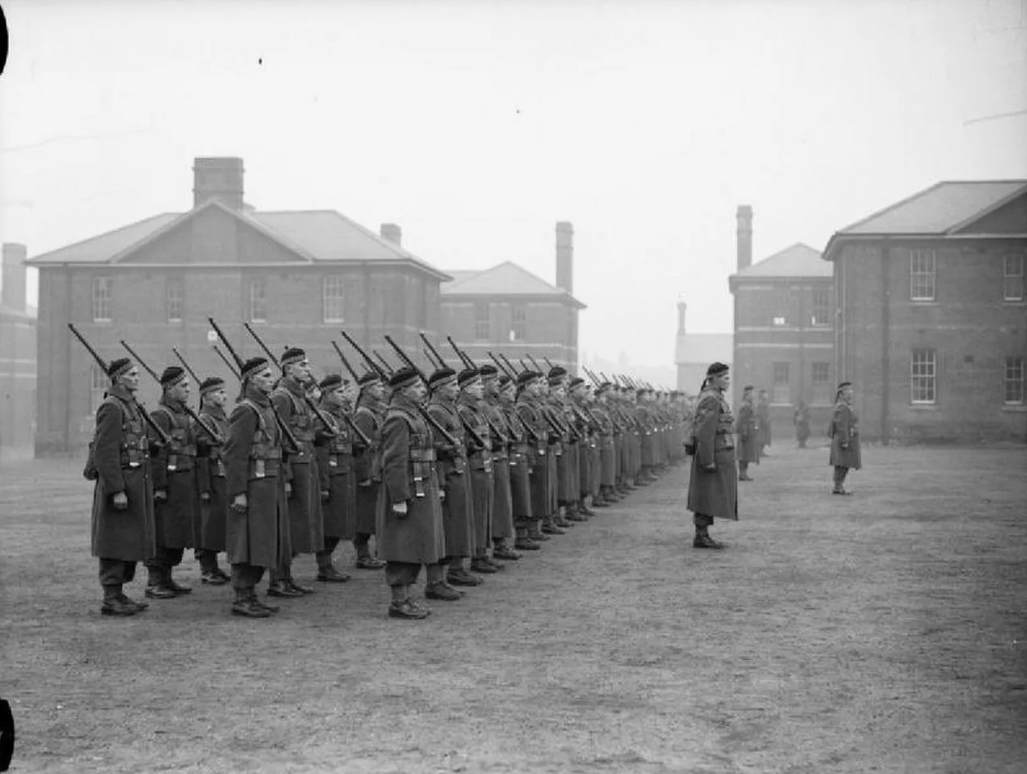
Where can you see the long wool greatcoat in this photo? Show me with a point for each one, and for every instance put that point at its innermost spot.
(121, 456)
(567, 455)
(306, 524)
(502, 500)
(210, 471)
(335, 467)
(173, 469)
(763, 417)
(253, 464)
(455, 479)
(714, 493)
(529, 411)
(409, 475)
(607, 472)
(845, 429)
(479, 462)
(747, 428)
(367, 463)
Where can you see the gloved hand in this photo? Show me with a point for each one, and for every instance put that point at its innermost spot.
(120, 501)
(160, 495)
(399, 510)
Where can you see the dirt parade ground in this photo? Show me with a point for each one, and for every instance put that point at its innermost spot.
(880, 632)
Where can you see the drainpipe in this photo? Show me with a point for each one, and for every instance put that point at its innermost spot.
(885, 336)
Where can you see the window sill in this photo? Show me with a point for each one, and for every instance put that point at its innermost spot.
(1015, 408)
(924, 302)
(1014, 302)
(925, 407)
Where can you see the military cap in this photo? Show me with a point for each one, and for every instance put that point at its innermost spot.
(488, 371)
(330, 382)
(253, 366)
(603, 387)
(843, 385)
(117, 367)
(210, 384)
(577, 381)
(440, 377)
(404, 377)
(505, 381)
(467, 376)
(292, 355)
(716, 369)
(748, 388)
(369, 377)
(556, 374)
(527, 377)
(172, 375)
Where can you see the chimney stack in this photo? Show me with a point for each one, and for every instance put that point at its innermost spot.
(744, 236)
(218, 178)
(681, 317)
(393, 233)
(13, 295)
(565, 257)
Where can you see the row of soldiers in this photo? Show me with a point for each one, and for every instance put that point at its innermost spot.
(456, 471)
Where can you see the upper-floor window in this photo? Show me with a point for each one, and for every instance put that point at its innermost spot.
(782, 303)
(924, 376)
(781, 388)
(333, 295)
(822, 382)
(921, 274)
(1014, 380)
(482, 321)
(258, 300)
(518, 322)
(1012, 278)
(821, 306)
(101, 299)
(174, 298)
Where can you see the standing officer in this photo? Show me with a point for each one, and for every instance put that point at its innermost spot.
(175, 486)
(747, 429)
(210, 469)
(303, 488)
(713, 491)
(334, 451)
(258, 517)
(123, 527)
(410, 527)
(844, 432)
(367, 466)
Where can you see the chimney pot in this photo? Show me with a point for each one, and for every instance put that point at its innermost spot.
(13, 294)
(218, 177)
(393, 233)
(565, 256)
(682, 306)
(744, 217)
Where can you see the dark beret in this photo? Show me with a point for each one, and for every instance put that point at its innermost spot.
(404, 377)
(292, 355)
(211, 383)
(577, 381)
(252, 366)
(172, 375)
(505, 380)
(716, 368)
(488, 370)
(118, 367)
(467, 376)
(748, 388)
(842, 385)
(526, 377)
(441, 376)
(330, 382)
(369, 377)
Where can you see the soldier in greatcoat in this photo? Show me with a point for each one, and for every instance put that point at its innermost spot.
(410, 530)
(530, 387)
(713, 491)
(210, 469)
(367, 466)
(334, 452)
(176, 489)
(577, 401)
(800, 418)
(564, 451)
(747, 430)
(518, 457)
(607, 471)
(844, 432)
(303, 486)
(479, 464)
(763, 418)
(455, 479)
(258, 517)
(503, 530)
(123, 527)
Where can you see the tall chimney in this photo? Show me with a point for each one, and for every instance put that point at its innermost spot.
(565, 256)
(744, 236)
(13, 296)
(218, 178)
(681, 317)
(393, 233)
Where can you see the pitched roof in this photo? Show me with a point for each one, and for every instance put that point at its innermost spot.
(506, 279)
(704, 348)
(101, 248)
(799, 260)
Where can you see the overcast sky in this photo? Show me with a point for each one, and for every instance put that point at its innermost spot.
(476, 126)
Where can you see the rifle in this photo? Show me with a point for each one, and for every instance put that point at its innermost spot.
(548, 362)
(389, 369)
(513, 371)
(435, 352)
(306, 398)
(591, 375)
(356, 429)
(164, 437)
(239, 362)
(213, 433)
(534, 362)
(226, 361)
(367, 359)
(185, 365)
(345, 362)
(502, 367)
(470, 364)
(430, 359)
(463, 358)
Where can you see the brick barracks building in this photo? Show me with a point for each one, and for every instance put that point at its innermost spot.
(784, 332)
(932, 316)
(509, 310)
(17, 358)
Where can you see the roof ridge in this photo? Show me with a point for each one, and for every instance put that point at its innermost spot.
(892, 206)
(174, 215)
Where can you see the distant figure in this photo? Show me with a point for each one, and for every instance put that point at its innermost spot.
(763, 420)
(844, 432)
(801, 421)
(747, 428)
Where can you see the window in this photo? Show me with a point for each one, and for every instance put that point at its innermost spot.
(482, 321)
(924, 376)
(782, 303)
(821, 306)
(1014, 380)
(1012, 278)
(518, 322)
(101, 299)
(781, 392)
(258, 301)
(174, 297)
(98, 384)
(921, 274)
(333, 292)
(822, 383)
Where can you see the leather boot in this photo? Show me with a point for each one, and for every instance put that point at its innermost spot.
(156, 586)
(115, 603)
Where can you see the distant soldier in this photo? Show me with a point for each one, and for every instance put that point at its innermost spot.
(564, 446)
(578, 400)
(479, 462)
(175, 486)
(123, 527)
(801, 421)
(844, 432)
(607, 472)
(529, 410)
(763, 419)
(713, 491)
(502, 441)
(747, 429)
(258, 517)
(410, 527)
(334, 451)
(213, 487)
(367, 466)
(520, 450)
